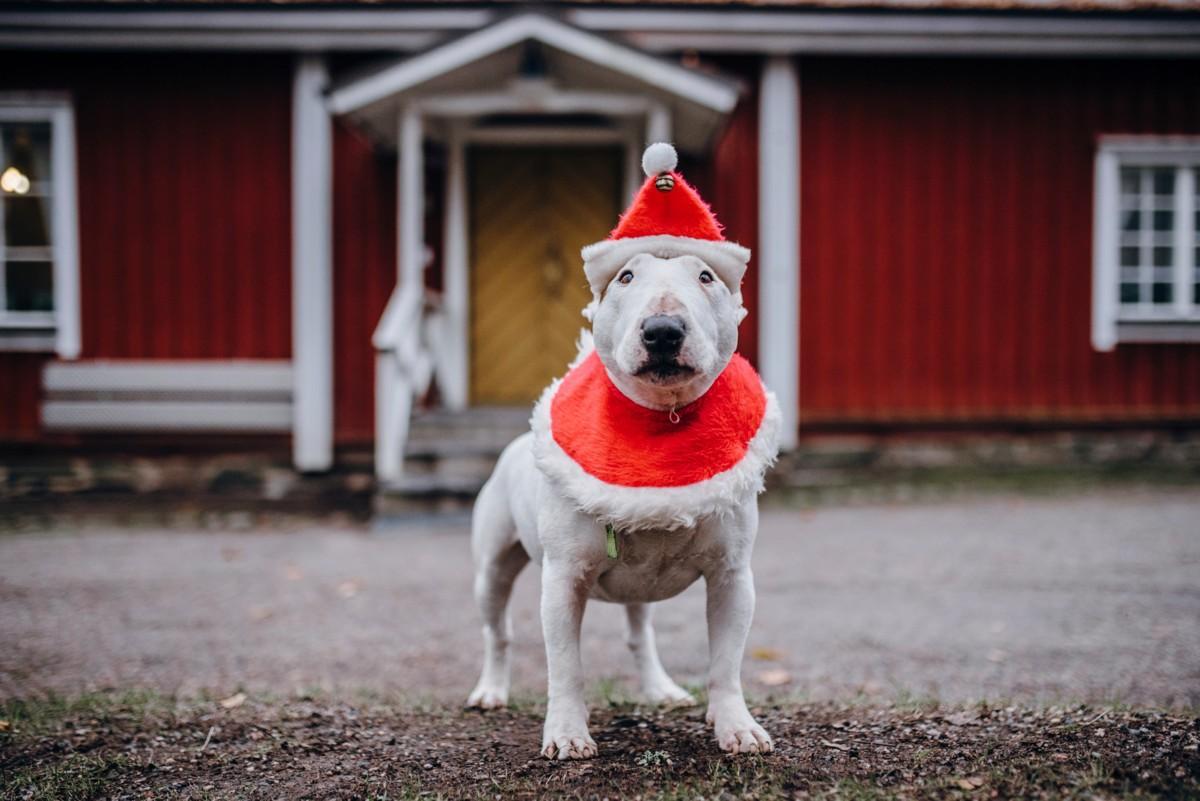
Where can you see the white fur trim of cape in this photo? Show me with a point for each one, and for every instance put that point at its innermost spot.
(662, 508)
(602, 259)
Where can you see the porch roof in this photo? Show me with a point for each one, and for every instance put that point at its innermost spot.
(576, 60)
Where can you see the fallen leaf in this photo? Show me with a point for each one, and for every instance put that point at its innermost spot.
(261, 612)
(767, 654)
(235, 700)
(4, 725)
(838, 746)
(293, 572)
(774, 678)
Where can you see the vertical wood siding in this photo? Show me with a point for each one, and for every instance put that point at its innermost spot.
(184, 204)
(364, 273)
(946, 241)
(734, 197)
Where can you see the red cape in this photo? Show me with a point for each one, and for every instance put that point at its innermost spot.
(624, 444)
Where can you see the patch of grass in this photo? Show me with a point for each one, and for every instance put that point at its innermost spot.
(75, 778)
(38, 715)
(748, 777)
(611, 692)
(855, 790)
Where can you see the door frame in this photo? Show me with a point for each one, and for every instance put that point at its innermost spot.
(456, 257)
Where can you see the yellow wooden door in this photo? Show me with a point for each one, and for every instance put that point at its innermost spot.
(532, 209)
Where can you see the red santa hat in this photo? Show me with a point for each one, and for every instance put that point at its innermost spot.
(667, 218)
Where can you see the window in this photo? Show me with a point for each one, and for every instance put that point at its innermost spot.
(39, 308)
(1147, 241)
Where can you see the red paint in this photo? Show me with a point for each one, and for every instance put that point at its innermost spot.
(619, 442)
(946, 242)
(364, 274)
(20, 395)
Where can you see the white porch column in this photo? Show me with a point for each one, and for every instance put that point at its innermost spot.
(658, 125)
(632, 168)
(455, 372)
(778, 254)
(312, 269)
(409, 228)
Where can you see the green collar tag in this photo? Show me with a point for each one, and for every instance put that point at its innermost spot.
(610, 541)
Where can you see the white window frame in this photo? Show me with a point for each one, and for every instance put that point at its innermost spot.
(1111, 322)
(58, 331)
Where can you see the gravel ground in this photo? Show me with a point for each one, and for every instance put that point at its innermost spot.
(1088, 597)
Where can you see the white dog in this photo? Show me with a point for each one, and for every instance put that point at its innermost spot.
(642, 470)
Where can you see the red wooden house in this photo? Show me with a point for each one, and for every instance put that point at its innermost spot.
(286, 220)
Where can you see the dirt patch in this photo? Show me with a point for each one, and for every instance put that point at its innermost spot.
(146, 748)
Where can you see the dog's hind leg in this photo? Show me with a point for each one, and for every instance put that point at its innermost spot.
(657, 686)
(499, 558)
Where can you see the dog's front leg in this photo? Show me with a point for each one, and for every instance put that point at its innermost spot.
(730, 610)
(565, 585)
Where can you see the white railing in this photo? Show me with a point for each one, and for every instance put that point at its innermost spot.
(405, 361)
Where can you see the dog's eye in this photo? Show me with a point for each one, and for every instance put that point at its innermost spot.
(706, 277)
(625, 277)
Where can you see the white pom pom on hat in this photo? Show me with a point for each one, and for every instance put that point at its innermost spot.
(660, 157)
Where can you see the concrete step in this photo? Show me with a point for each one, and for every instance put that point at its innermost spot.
(448, 458)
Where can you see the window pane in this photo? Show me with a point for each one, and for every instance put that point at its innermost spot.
(1129, 257)
(29, 286)
(1130, 293)
(1164, 220)
(25, 221)
(1130, 181)
(1162, 293)
(1163, 256)
(27, 150)
(1164, 182)
(1132, 221)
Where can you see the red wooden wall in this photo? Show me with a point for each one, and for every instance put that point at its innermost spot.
(364, 274)
(946, 241)
(184, 209)
(729, 182)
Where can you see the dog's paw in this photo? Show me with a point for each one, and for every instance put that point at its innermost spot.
(752, 739)
(568, 746)
(739, 733)
(667, 693)
(487, 698)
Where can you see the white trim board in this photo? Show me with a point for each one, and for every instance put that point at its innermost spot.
(411, 73)
(193, 395)
(901, 31)
(131, 375)
(235, 29)
(230, 416)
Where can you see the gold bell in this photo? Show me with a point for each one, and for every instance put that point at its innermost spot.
(664, 182)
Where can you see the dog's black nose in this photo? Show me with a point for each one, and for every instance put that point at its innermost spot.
(662, 335)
